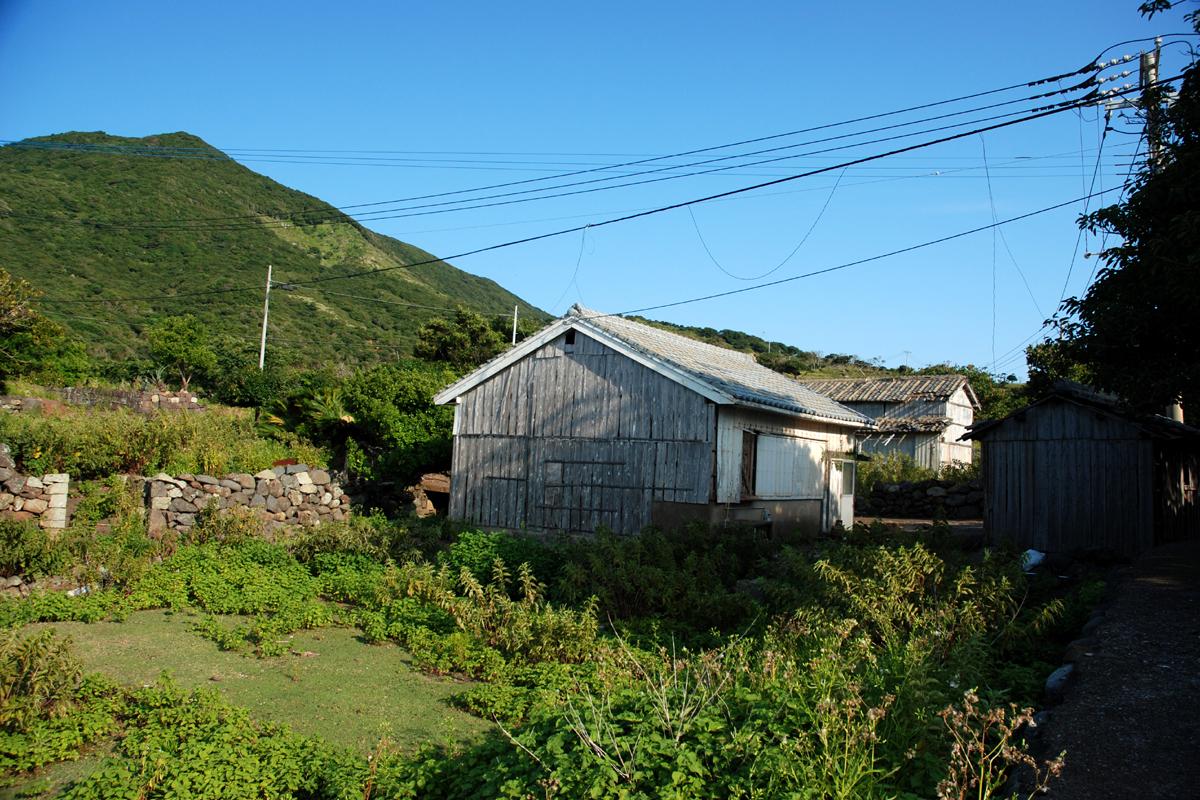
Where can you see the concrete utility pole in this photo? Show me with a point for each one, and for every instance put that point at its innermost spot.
(1153, 109)
(262, 345)
(514, 341)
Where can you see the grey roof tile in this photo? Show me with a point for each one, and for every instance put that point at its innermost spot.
(900, 389)
(730, 371)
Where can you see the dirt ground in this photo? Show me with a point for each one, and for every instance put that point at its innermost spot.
(1130, 724)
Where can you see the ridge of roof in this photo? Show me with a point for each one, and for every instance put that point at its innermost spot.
(732, 372)
(891, 388)
(1083, 395)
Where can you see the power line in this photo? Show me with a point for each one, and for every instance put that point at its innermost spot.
(1060, 108)
(786, 258)
(314, 214)
(855, 263)
(303, 219)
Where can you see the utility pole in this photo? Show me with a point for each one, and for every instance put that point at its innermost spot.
(1149, 83)
(1152, 107)
(262, 345)
(514, 338)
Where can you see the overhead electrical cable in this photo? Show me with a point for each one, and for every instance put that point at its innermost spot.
(855, 263)
(826, 126)
(303, 219)
(1091, 66)
(638, 215)
(786, 258)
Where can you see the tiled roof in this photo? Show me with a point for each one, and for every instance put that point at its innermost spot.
(912, 424)
(729, 371)
(889, 390)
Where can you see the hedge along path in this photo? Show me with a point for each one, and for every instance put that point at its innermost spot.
(330, 685)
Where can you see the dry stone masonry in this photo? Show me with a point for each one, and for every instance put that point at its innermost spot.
(922, 500)
(144, 401)
(31, 497)
(288, 495)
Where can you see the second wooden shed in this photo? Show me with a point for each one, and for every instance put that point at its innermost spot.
(1076, 471)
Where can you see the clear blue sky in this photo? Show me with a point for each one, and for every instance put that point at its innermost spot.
(561, 83)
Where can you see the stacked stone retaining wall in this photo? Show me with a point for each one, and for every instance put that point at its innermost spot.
(290, 495)
(922, 500)
(144, 401)
(40, 498)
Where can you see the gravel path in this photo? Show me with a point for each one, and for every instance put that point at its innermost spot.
(1131, 722)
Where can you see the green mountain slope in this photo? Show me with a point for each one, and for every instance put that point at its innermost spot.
(84, 224)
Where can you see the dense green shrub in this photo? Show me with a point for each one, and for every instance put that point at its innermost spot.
(26, 549)
(478, 551)
(48, 710)
(686, 577)
(93, 444)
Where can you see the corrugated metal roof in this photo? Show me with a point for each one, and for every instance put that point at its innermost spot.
(735, 373)
(889, 390)
(1155, 425)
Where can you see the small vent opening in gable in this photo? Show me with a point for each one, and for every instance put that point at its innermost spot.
(569, 341)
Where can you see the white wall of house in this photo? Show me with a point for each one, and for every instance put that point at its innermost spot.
(792, 454)
(961, 415)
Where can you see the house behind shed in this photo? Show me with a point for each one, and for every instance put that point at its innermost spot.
(600, 421)
(1075, 471)
(920, 416)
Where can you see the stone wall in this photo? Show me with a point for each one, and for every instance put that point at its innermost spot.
(922, 500)
(32, 497)
(144, 401)
(291, 495)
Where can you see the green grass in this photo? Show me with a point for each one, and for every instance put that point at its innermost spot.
(331, 685)
(53, 778)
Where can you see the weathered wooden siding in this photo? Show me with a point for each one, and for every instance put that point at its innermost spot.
(572, 438)
(923, 448)
(731, 422)
(961, 414)
(1061, 478)
(926, 449)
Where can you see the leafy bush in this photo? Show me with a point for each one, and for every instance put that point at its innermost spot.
(883, 468)
(686, 577)
(39, 677)
(26, 549)
(93, 444)
(477, 551)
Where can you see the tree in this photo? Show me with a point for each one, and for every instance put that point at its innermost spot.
(999, 395)
(24, 332)
(182, 345)
(464, 342)
(1050, 362)
(1135, 329)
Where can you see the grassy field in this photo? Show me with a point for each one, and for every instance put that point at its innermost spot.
(328, 686)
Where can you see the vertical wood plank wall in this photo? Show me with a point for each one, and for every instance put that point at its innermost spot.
(571, 439)
(1063, 477)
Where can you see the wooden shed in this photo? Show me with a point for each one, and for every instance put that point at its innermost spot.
(920, 416)
(600, 421)
(1075, 471)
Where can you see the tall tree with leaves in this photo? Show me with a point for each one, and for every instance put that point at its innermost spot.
(24, 331)
(1135, 329)
(464, 342)
(184, 346)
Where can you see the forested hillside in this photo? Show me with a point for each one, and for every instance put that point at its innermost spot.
(81, 221)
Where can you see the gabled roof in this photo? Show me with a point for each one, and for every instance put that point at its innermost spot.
(899, 389)
(1154, 426)
(726, 377)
